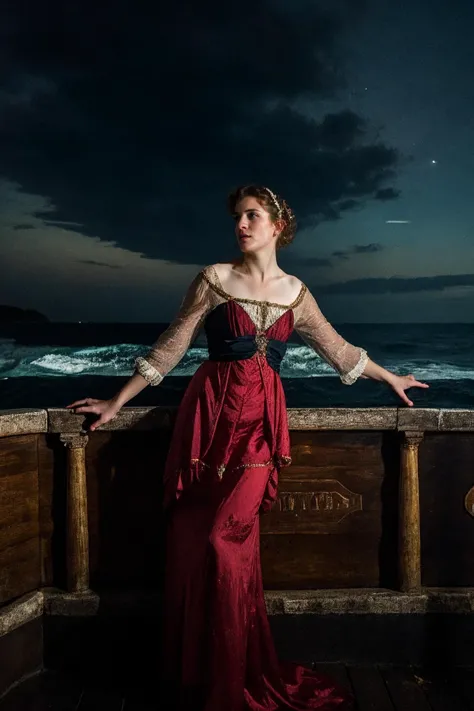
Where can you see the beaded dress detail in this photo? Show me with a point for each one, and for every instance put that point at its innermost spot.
(229, 442)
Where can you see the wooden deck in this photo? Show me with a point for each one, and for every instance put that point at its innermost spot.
(376, 688)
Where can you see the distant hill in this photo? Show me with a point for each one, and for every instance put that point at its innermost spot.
(13, 314)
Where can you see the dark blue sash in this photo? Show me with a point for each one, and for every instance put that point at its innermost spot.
(243, 347)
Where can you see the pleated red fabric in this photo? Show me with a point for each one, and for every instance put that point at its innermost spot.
(229, 442)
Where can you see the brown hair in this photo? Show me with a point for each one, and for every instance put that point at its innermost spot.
(276, 206)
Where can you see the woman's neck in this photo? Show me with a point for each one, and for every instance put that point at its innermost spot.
(258, 269)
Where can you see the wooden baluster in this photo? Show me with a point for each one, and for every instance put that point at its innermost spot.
(77, 520)
(409, 514)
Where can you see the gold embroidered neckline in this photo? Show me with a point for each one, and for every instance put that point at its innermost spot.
(218, 288)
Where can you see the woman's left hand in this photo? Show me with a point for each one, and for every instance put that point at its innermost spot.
(400, 383)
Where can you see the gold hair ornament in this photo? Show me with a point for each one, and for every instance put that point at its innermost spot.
(275, 201)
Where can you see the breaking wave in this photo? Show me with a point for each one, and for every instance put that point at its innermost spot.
(44, 361)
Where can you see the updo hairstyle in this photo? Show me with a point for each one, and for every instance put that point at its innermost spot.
(276, 206)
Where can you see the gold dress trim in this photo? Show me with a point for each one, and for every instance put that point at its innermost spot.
(217, 286)
(282, 461)
(251, 465)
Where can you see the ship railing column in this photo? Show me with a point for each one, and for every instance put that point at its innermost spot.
(77, 518)
(409, 513)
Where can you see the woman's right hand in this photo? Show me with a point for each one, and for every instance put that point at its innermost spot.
(105, 409)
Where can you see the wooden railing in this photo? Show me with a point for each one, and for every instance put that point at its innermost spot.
(411, 426)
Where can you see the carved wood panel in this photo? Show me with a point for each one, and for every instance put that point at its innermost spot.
(334, 523)
(126, 524)
(447, 528)
(19, 545)
(310, 506)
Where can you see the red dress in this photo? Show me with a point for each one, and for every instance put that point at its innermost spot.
(229, 442)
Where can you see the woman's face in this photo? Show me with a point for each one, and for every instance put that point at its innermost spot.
(254, 228)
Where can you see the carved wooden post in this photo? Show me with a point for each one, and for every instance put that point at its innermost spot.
(409, 514)
(77, 521)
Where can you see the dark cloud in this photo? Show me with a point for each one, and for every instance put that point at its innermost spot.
(397, 285)
(316, 262)
(340, 131)
(367, 248)
(94, 263)
(342, 254)
(291, 260)
(136, 123)
(23, 227)
(387, 194)
(349, 204)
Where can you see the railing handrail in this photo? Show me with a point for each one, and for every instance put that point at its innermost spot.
(62, 420)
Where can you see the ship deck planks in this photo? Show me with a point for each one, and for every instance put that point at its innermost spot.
(374, 687)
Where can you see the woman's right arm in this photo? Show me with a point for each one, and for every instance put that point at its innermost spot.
(108, 409)
(163, 356)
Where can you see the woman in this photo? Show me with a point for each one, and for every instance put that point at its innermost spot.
(229, 442)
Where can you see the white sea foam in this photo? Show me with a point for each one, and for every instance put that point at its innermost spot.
(117, 360)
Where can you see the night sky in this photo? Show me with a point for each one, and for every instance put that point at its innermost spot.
(122, 129)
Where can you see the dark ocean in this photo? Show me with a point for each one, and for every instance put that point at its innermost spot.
(49, 365)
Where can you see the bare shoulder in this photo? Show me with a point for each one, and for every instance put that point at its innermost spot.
(223, 269)
(294, 281)
(296, 285)
(223, 272)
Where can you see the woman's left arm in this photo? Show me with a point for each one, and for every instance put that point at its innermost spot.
(351, 362)
(398, 383)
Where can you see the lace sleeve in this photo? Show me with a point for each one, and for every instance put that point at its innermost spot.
(173, 343)
(348, 360)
